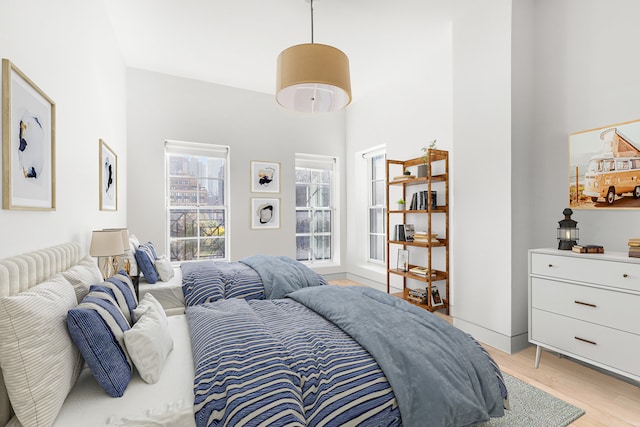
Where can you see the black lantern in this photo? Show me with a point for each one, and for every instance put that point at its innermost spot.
(567, 231)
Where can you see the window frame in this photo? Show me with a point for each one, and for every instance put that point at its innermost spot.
(203, 150)
(369, 157)
(309, 160)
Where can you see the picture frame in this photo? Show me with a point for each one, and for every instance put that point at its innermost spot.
(436, 300)
(604, 167)
(403, 260)
(265, 213)
(28, 143)
(265, 177)
(108, 170)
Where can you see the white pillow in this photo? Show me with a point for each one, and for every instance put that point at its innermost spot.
(148, 302)
(131, 256)
(149, 343)
(82, 275)
(40, 363)
(164, 268)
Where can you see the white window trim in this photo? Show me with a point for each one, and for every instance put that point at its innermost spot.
(335, 211)
(202, 149)
(367, 155)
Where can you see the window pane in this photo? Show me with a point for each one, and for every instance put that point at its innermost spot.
(322, 222)
(322, 247)
(211, 248)
(377, 193)
(303, 221)
(303, 248)
(183, 223)
(322, 197)
(302, 195)
(212, 222)
(376, 221)
(303, 175)
(184, 249)
(377, 167)
(211, 192)
(376, 248)
(182, 191)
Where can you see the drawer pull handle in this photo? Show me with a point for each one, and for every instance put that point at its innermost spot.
(584, 340)
(625, 275)
(550, 265)
(585, 303)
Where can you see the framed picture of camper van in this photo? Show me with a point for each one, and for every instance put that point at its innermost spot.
(604, 167)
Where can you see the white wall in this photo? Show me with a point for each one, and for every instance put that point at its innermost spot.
(69, 51)
(586, 68)
(163, 107)
(482, 148)
(410, 108)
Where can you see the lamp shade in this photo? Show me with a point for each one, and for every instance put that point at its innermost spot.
(124, 232)
(313, 78)
(106, 243)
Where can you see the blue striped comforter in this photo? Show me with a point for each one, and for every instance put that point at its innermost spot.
(275, 362)
(256, 277)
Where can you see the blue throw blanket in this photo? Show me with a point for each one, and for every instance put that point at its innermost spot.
(439, 374)
(281, 275)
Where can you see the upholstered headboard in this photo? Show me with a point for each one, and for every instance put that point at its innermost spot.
(24, 271)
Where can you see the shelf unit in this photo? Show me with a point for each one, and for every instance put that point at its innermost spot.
(437, 160)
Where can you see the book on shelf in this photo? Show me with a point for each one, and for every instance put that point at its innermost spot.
(421, 271)
(588, 249)
(403, 177)
(420, 200)
(398, 233)
(409, 232)
(634, 243)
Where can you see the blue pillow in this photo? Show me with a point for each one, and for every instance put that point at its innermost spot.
(124, 293)
(97, 328)
(146, 262)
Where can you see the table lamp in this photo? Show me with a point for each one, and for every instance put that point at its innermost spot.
(106, 244)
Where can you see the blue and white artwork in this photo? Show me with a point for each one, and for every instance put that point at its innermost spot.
(108, 178)
(29, 182)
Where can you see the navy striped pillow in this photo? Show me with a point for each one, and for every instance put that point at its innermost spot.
(146, 258)
(124, 293)
(97, 328)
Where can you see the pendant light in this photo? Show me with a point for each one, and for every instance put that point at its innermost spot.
(313, 78)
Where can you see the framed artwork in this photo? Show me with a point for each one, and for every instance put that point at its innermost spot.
(265, 177)
(265, 213)
(604, 167)
(28, 143)
(403, 260)
(108, 178)
(436, 300)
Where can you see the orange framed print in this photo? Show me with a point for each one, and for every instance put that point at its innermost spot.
(604, 167)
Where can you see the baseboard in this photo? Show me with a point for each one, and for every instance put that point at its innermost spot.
(495, 339)
(365, 281)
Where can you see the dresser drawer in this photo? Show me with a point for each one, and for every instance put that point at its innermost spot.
(607, 272)
(601, 306)
(610, 347)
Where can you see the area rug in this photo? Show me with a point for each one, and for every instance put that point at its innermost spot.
(533, 407)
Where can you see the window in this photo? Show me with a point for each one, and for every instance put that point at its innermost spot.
(196, 190)
(376, 207)
(314, 207)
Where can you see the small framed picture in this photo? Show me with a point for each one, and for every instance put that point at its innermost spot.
(108, 178)
(265, 213)
(436, 300)
(265, 177)
(403, 260)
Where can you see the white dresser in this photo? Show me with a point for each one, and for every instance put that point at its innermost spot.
(586, 306)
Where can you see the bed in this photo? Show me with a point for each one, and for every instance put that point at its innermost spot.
(276, 361)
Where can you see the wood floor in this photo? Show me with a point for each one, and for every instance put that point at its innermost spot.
(607, 400)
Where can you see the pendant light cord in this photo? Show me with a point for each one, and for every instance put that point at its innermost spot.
(311, 2)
